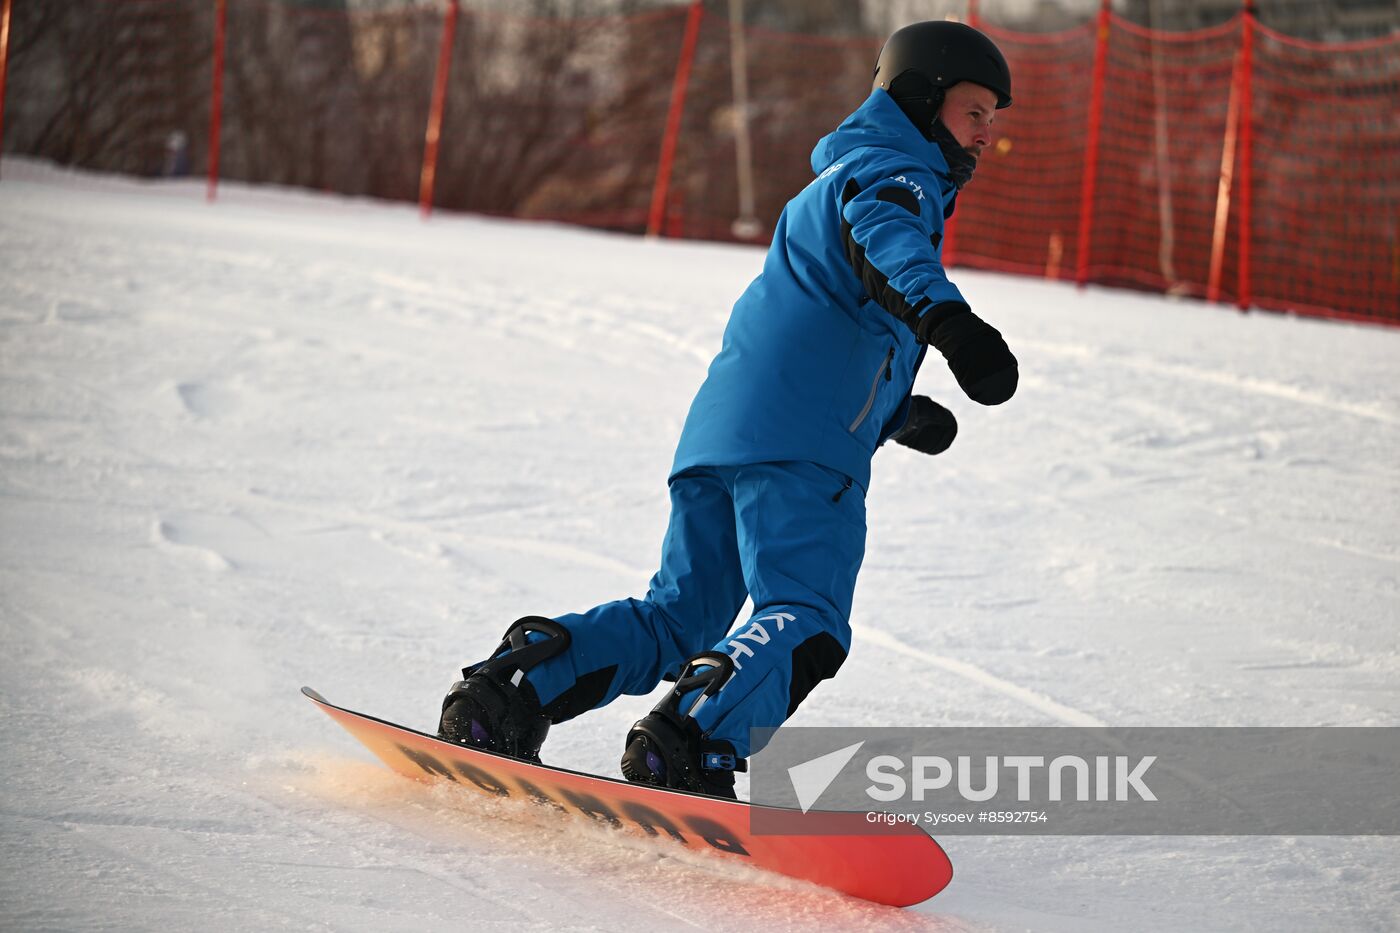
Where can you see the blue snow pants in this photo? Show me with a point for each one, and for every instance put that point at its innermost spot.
(789, 535)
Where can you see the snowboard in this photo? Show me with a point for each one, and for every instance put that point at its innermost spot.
(897, 865)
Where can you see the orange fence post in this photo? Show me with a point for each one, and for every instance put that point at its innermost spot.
(656, 217)
(4, 62)
(1246, 153)
(216, 95)
(1224, 188)
(1091, 156)
(428, 177)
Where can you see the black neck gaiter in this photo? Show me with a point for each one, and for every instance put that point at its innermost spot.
(961, 163)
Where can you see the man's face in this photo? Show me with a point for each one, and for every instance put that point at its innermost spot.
(968, 112)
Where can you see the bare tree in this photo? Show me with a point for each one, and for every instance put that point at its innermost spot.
(291, 109)
(535, 107)
(102, 85)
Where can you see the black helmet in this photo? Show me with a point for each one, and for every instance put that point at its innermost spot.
(944, 53)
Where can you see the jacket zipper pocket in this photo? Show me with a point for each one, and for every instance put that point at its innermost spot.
(874, 390)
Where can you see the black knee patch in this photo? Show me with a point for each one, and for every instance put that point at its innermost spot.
(586, 693)
(813, 661)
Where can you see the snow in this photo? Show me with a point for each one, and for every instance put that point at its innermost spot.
(296, 439)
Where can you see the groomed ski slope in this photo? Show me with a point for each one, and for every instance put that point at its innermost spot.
(295, 439)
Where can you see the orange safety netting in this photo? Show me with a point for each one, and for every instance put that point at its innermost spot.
(1325, 229)
(1231, 163)
(1021, 211)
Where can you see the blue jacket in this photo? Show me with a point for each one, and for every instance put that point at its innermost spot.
(819, 355)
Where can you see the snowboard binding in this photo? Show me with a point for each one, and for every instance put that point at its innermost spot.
(493, 706)
(666, 748)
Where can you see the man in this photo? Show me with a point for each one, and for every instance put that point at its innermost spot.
(768, 485)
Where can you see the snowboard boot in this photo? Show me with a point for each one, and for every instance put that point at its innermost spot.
(493, 706)
(665, 747)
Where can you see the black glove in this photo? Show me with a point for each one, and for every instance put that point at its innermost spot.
(930, 428)
(976, 353)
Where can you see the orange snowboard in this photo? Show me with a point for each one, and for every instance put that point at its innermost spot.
(896, 865)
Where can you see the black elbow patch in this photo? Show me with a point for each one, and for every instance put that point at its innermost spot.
(901, 196)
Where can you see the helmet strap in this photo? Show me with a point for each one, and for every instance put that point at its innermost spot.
(919, 100)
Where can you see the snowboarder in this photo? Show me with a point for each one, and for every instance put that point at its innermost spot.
(768, 484)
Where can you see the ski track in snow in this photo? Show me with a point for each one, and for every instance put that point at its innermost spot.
(296, 439)
(1088, 356)
(1041, 704)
